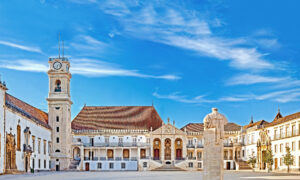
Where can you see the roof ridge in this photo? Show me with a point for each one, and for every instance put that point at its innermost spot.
(26, 103)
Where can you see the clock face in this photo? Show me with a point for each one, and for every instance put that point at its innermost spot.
(57, 65)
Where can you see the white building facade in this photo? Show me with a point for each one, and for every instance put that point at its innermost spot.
(125, 138)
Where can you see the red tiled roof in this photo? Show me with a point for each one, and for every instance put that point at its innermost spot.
(261, 122)
(117, 117)
(197, 127)
(35, 114)
(284, 119)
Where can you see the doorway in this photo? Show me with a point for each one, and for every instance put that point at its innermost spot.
(57, 168)
(276, 163)
(87, 166)
(228, 165)
(156, 154)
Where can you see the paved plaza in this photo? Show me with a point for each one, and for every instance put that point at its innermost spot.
(144, 176)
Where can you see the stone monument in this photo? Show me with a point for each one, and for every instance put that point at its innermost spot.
(213, 145)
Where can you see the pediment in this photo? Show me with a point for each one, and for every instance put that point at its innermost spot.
(168, 129)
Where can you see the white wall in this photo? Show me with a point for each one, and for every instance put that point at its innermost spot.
(2, 140)
(12, 120)
(130, 165)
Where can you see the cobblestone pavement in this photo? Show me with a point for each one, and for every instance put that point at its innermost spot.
(229, 175)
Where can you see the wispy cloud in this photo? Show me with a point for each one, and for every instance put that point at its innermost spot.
(85, 67)
(85, 42)
(282, 96)
(247, 79)
(196, 100)
(185, 28)
(22, 47)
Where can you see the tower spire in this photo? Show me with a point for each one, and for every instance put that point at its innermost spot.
(59, 45)
(63, 49)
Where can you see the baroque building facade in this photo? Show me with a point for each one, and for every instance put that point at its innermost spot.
(125, 138)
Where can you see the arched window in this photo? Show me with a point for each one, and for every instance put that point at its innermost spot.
(57, 86)
(18, 138)
(57, 150)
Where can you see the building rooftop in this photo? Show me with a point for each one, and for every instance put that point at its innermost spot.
(35, 114)
(117, 117)
(281, 119)
(198, 127)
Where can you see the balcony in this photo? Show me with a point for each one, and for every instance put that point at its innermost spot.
(190, 146)
(287, 134)
(199, 145)
(228, 144)
(116, 144)
(191, 158)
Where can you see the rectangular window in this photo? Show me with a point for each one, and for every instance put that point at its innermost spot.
(33, 143)
(275, 148)
(45, 164)
(57, 140)
(111, 165)
(57, 119)
(243, 153)
(293, 130)
(286, 145)
(39, 164)
(191, 165)
(123, 165)
(281, 147)
(33, 163)
(49, 164)
(45, 146)
(199, 165)
(293, 146)
(99, 165)
(281, 161)
(39, 145)
(57, 129)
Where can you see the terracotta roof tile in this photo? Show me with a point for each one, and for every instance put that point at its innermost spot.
(117, 117)
(27, 110)
(284, 119)
(261, 122)
(197, 127)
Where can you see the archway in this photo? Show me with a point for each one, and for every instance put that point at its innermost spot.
(76, 153)
(156, 149)
(168, 149)
(178, 149)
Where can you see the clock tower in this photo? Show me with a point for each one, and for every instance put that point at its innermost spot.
(59, 115)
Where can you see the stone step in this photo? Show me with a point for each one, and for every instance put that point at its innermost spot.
(168, 168)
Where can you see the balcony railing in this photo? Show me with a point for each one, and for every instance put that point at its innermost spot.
(190, 146)
(119, 144)
(228, 144)
(109, 159)
(191, 158)
(287, 134)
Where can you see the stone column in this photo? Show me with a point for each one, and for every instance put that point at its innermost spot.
(162, 149)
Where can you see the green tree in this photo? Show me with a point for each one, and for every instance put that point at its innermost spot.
(288, 159)
(268, 159)
(252, 160)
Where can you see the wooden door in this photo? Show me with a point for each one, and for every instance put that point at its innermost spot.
(276, 163)
(178, 154)
(87, 166)
(156, 154)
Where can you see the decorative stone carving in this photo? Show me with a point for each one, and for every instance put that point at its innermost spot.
(213, 145)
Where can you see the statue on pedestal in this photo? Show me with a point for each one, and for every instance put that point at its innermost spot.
(213, 145)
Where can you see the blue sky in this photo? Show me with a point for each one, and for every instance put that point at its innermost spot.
(185, 56)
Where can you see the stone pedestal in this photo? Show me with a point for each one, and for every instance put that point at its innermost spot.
(213, 156)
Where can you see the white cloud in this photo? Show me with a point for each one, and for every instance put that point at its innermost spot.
(85, 67)
(22, 47)
(85, 42)
(282, 96)
(184, 28)
(247, 79)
